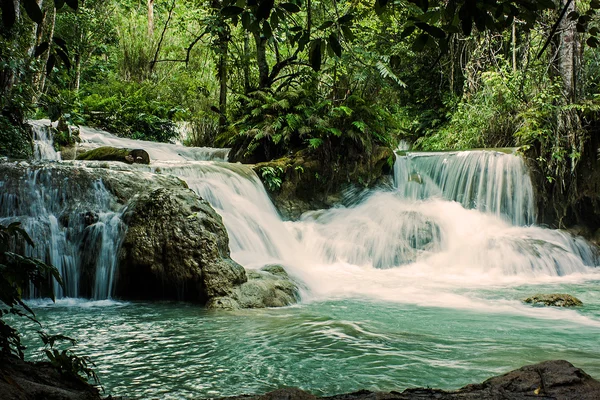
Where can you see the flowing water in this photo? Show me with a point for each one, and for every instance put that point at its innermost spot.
(417, 286)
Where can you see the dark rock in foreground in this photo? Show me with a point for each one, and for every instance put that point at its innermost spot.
(107, 153)
(176, 247)
(557, 380)
(20, 380)
(555, 299)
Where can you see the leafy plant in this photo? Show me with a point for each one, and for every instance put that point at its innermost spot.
(272, 177)
(67, 362)
(17, 272)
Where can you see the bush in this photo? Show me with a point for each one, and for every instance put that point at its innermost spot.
(131, 110)
(270, 125)
(15, 140)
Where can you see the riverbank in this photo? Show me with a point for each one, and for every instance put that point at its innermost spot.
(556, 379)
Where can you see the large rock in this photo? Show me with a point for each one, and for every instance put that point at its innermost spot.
(176, 247)
(554, 299)
(303, 181)
(547, 380)
(269, 287)
(108, 153)
(20, 380)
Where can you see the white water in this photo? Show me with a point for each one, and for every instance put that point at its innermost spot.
(410, 245)
(43, 144)
(487, 181)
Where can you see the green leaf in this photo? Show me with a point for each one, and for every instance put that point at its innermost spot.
(64, 57)
(315, 54)
(50, 64)
(74, 4)
(290, 7)
(267, 31)
(326, 25)
(8, 13)
(348, 35)
(41, 49)
(407, 32)
(592, 42)
(33, 10)
(335, 45)
(344, 19)
(420, 42)
(231, 11)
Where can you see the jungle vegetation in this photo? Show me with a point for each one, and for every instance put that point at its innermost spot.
(273, 77)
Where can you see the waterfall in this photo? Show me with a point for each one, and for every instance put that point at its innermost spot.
(454, 219)
(72, 222)
(488, 181)
(43, 141)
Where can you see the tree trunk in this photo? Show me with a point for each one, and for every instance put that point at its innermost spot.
(222, 71)
(246, 62)
(46, 57)
(77, 72)
(261, 59)
(150, 20)
(567, 51)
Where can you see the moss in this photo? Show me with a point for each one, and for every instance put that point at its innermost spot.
(310, 182)
(107, 153)
(15, 140)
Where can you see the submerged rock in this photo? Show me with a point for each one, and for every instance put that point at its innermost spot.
(269, 287)
(554, 299)
(176, 247)
(556, 379)
(108, 153)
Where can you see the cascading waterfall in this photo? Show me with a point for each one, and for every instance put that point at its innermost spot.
(72, 223)
(43, 141)
(488, 181)
(408, 244)
(257, 236)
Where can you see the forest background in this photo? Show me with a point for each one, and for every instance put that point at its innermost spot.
(331, 78)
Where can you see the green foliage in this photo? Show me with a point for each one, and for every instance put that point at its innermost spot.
(67, 362)
(271, 124)
(488, 118)
(17, 272)
(272, 177)
(15, 141)
(131, 110)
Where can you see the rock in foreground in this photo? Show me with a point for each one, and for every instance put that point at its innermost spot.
(555, 299)
(20, 380)
(547, 380)
(176, 247)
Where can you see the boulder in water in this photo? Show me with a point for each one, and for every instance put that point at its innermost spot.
(108, 153)
(269, 287)
(555, 299)
(175, 248)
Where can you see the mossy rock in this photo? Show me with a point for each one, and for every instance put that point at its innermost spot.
(554, 300)
(270, 286)
(108, 153)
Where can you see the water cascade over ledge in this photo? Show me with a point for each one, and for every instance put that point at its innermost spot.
(454, 219)
(485, 180)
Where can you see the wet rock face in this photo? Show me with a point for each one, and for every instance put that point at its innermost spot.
(302, 182)
(269, 287)
(176, 247)
(547, 380)
(555, 299)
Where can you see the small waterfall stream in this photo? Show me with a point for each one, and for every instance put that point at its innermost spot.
(458, 218)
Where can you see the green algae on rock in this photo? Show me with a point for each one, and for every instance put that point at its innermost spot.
(554, 299)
